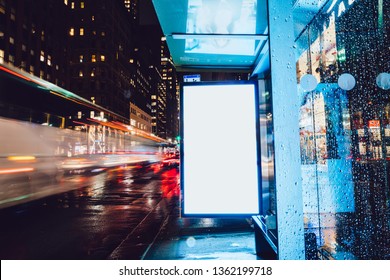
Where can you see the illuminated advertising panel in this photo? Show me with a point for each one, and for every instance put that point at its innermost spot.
(221, 17)
(219, 149)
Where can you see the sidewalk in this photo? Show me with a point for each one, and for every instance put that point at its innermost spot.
(203, 239)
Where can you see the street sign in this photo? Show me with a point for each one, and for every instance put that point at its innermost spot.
(191, 78)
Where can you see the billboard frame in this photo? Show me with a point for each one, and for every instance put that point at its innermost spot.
(256, 117)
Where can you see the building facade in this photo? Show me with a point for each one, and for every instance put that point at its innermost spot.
(102, 65)
(34, 42)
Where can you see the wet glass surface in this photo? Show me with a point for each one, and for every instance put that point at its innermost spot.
(344, 128)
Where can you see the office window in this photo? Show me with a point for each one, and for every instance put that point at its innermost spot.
(13, 17)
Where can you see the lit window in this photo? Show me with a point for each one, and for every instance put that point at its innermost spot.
(66, 2)
(82, 5)
(103, 33)
(131, 60)
(81, 57)
(41, 74)
(93, 73)
(71, 32)
(11, 40)
(102, 58)
(24, 48)
(93, 18)
(72, 5)
(42, 56)
(1, 56)
(32, 52)
(49, 60)
(93, 58)
(81, 31)
(31, 69)
(81, 73)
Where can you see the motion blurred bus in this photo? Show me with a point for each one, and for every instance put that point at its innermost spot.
(47, 132)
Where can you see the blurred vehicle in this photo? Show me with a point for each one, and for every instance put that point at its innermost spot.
(47, 131)
(27, 163)
(171, 160)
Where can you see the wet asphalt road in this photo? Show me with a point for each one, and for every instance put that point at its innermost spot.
(125, 205)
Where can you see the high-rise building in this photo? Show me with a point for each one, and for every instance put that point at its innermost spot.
(169, 78)
(102, 63)
(33, 41)
(96, 49)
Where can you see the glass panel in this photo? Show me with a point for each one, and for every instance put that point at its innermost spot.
(345, 128)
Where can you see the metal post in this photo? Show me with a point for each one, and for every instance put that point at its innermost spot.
(285, 105)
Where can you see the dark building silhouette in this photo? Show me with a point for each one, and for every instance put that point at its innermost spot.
(33, 41)
(101, 50)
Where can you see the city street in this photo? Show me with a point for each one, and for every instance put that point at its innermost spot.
(122, 205)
